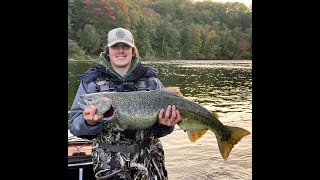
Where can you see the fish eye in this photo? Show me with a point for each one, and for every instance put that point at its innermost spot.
(89, 99)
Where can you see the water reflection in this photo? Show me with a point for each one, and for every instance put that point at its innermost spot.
(219, 88)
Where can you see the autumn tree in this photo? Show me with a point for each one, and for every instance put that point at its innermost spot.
(105, 14)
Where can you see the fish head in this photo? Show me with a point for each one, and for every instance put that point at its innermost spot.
(103, 104)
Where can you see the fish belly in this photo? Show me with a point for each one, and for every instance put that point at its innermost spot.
(191, 125)
(137, 122)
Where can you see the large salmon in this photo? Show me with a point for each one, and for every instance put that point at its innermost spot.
(140, 109)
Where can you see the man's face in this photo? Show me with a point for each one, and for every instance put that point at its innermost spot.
(120, 55)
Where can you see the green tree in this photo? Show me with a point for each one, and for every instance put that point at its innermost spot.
(70, 30)
(228, 44)
(89, 39)
(211, 44)
(168, 39)
(147, 33)
(190, 42)
(76, 52)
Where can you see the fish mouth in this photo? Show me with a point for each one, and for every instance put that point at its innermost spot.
(106, 116)
(109, 113)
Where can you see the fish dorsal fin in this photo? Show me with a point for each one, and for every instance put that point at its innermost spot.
(174, 90)
(195, 135)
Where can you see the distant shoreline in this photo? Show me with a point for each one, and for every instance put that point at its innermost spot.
(175, 60)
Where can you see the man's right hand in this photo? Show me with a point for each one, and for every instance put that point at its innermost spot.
(90, 115)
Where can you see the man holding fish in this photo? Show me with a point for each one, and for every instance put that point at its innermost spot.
(122, 153)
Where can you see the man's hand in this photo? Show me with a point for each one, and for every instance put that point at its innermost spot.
(90, 115)
(174, 119)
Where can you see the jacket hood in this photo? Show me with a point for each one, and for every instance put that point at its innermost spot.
(136, 70)
(104, 60)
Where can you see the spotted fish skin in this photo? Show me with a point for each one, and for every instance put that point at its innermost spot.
(139, 110)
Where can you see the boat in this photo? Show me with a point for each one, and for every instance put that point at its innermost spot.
(79, 158)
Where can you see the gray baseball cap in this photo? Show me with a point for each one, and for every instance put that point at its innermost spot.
(120, 35)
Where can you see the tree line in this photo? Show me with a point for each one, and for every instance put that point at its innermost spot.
(163, 29)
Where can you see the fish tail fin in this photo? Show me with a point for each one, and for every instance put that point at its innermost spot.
(174, 90)
(195, 135)
(225, 146)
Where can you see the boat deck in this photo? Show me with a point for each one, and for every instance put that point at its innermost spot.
(79, 159)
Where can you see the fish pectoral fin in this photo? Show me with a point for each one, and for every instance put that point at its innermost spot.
(117, 121)
(120, 127)
(173, 90)
(195, 135)
(215, 115)
(107, 119)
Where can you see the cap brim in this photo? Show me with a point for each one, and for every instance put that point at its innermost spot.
(115, 42)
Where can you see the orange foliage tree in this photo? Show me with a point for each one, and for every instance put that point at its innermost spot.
(106, 14)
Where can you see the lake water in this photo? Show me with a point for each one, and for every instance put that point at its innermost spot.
(221, 86)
